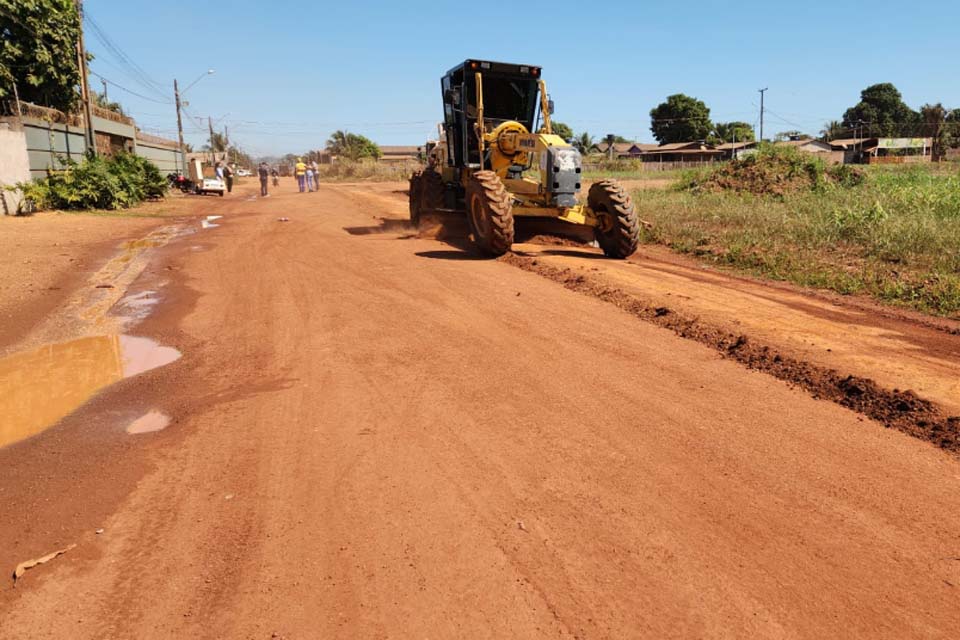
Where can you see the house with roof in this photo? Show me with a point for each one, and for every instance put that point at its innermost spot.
(403, 153)
(734, 150)
(884, 150)
(684, 152)
(824, 150)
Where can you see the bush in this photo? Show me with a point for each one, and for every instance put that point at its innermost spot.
(115, 182)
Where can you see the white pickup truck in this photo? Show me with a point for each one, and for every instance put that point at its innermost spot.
(211, 185)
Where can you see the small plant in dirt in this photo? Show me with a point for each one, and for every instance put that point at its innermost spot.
(116, 182)
(773, 171)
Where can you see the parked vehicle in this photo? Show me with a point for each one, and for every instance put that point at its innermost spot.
(244, 173)
(211, 185)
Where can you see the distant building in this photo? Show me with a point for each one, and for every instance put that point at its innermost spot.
(884, 150)
(684, 153)
(399, 153)
(825, 150)
(734, 150)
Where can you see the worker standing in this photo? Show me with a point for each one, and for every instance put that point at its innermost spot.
(228, 176)
(316, 175)
(300, 171)
(263, 172)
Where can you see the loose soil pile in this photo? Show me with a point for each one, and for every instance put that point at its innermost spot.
(776, 172)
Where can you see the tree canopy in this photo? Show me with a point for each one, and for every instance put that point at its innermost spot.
(882, 111)
(732, 132)
(680, 119)
(38, 52)
(583, 142)
(561, 129)
(352, 146)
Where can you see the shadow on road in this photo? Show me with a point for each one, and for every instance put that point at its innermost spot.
(450, 255)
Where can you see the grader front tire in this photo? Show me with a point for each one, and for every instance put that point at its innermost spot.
(490, 210)
(618, 231)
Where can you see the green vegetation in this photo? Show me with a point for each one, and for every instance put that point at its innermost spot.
(38, 52)
(562, 130)
(893, 236)
(731, 132)
(367, 171)
(352, 146)
(680, 119)
(115, 182)
(627, 169)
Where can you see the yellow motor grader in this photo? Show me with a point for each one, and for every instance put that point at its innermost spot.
(497, 159)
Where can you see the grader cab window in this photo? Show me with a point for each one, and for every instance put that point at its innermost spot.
(504, 99)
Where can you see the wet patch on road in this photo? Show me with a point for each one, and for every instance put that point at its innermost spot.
(40, 387)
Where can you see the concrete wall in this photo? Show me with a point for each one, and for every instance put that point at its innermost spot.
(14, 164)
(167, 159)
(47, 142)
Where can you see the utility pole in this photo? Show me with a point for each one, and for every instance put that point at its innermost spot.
(176, 96)
(762, 91)
(84, 86)
(104, 82)
(226, 142)
(213, 151)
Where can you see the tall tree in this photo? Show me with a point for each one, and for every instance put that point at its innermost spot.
(952, 127)
(934, 117)
(680, 119)
(561, 129)
(882, 112)
(791, 135)
(732, 132)
(583, 142)
(352, 146)
(833, 130)
(38, 40)
(217, 143)
(101, 101)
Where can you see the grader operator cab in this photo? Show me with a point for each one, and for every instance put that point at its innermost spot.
(498, 158)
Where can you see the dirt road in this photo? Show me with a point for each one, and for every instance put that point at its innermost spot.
(375, 435)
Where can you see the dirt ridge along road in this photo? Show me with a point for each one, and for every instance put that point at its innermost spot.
(897, 367)
(902, 410)
(376, 436)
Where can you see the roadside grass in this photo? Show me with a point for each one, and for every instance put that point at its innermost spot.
(895, 237)
(627, 170)
(368, 171)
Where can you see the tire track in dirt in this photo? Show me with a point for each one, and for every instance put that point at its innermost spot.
(897, 409)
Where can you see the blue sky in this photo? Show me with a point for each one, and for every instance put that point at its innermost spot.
(289, 73)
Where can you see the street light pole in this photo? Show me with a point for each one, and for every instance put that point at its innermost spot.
(183, 153)
(762, 91)
(176, 96)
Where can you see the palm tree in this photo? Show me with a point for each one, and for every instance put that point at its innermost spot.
(832, 130)
(339, 143)
(583, 143)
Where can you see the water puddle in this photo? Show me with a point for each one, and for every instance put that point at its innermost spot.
(149, 422)
(39, 387)
(206, 224)
(212, 218)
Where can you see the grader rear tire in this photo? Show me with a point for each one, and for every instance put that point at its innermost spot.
(490, 211)
(618, 233)
(416, 197)
(431, 194)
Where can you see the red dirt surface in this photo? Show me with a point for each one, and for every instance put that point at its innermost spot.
(379, 435)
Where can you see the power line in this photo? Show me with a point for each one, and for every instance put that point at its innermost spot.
(122, 88)
(136, 71)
